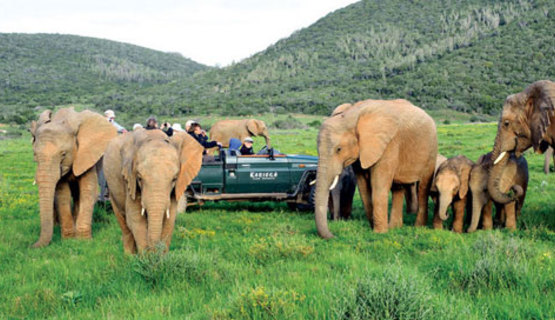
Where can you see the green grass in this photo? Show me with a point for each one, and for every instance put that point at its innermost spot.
(262, 261)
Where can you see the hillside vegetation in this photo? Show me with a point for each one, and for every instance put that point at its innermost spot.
(440, 54)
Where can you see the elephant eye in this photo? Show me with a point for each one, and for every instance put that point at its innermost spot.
(506, 123)
(338, 149)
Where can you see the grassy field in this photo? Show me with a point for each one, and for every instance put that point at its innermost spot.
(262, 261)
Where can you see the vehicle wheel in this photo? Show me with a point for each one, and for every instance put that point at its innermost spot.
(303, 206)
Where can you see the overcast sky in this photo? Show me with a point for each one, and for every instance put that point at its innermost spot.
(213, 32)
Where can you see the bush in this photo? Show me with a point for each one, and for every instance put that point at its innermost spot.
(315, 124)
(158, 268)
(260, 303)
(288, 123)
(392, 294)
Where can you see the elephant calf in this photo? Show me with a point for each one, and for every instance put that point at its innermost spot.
(514, 176)
(147, 172)
(450, 188)
(67, 145)
(341, 195)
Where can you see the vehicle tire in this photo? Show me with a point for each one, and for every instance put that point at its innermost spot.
(303, 206)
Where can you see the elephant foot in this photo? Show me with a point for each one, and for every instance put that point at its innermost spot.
(457, 230)
(395, 224)
(438, 226)
(68, 234)
(380, 230)
(40, 244)
(487, 226)
(470, 230)
(85, 234)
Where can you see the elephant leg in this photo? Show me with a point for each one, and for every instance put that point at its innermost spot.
(366, 195)
(136, 223)
(487, 222)
(127, 237)
(335, 202)
(396, 219)
(423, 190)
(346, 204)
(458, 213)
(510, 216)
(381, 181)
(88, 192)
(63, 207)
(169, 224)
(500, 217)
(437, 223)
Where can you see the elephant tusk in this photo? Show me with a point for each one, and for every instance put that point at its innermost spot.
(334, 183)
(142, 211)
(168, 213)
(501, 156)
(312, 182)
(34, 181)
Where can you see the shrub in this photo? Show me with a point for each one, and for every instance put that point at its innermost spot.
(271, 248)
(158, 268)
(392, 294)
(315, 124)
(288, 123)
(260, 303)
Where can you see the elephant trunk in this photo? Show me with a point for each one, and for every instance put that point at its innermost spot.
(157, 210)
(494, 180)
(444, 202)
(321, 198)
(476, 213)
(46, 180)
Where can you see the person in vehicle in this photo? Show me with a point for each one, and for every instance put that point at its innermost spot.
(196, 132)
(246, 148)
(111, 116)
(151, 123)
(167, 128)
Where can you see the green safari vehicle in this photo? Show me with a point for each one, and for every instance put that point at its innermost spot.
(266, 176)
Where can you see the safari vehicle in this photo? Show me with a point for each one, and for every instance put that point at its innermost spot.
(266, 176)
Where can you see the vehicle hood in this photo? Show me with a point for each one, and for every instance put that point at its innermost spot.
(302, 158)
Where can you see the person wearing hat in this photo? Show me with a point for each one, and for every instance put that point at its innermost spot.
(110, 116)
(188, 124)
(246, 148)
(177, 127)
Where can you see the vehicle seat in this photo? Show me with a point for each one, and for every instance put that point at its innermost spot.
(234, 146)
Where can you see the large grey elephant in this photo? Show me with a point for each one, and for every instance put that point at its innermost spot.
(147, 172)
(527, 120)
(388, 141)
(513, 177)
(224, 130)
(67, 145)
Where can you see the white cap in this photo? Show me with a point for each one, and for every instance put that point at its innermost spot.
(177, 127)
(137, 125)
(189, 123)
(248, 139)
(109, 113)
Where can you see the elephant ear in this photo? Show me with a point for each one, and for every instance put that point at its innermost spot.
(190, 158)
(93, 135)
(341, 108)
(540, 109)
(44, 117)
(464, 176)
(130, 175)
(375, 130)
(253, 126)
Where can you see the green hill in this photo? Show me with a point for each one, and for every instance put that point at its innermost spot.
(440, 54)
(51, 69)
(463, 55)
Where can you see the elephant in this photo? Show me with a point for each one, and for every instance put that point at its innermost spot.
(224, 130)
(514, 176)
(527, 120)
(387, 142)
(67, 145)
(450, 186)
(548, 155)
(341, 196)
(147, 172)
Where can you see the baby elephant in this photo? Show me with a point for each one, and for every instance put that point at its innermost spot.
(514, 177)
(147, 172)
(450, 187)
(341, 196)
